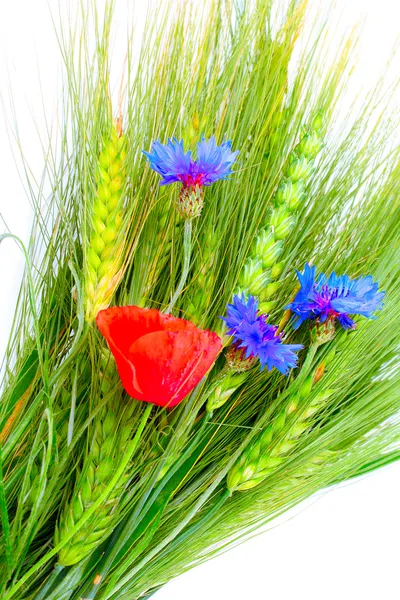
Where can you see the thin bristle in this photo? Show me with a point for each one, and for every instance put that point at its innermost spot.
(242, 72)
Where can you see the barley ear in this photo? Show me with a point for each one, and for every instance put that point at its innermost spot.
(105, 251)
(270, 448)
(112, 431)
(264, 265)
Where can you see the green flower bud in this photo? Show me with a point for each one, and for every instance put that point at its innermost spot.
(98, 244)
(253, 276)
(103, 194)
(305, 388)
(299, 168)
(94, 258)
(267, 307)
(322, 333)
(277, 270)
(310, 145)
(105, 268)
(237, 362)
(271, 289)
(317, 123)
(190, 202)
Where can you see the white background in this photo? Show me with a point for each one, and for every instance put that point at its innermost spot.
(343, 544)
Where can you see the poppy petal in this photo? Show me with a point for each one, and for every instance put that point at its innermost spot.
(160, 358)
(170, 364)
(125, 324)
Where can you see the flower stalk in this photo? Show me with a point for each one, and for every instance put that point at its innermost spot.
(199, 296)
(175, 165)
(158, 247)
(187, 250)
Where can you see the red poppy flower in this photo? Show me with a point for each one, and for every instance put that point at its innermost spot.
(160, 358)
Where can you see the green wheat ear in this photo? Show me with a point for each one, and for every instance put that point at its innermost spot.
(113, 430)
(104, 256)
(263, 267)
(270, 448)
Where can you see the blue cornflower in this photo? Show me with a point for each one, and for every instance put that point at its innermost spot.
(256, 338)
(213, 162)
(334, 297)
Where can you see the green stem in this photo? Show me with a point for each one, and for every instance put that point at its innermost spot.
(74, 352)
(148, 522)
(115, 586)
(200, 523)
(186, 533)
(5, 523)
(305, 369)
(86, 516)
(187, 249)
(151, 593)
(42, 594)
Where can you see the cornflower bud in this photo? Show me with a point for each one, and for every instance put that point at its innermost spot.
(253, 340)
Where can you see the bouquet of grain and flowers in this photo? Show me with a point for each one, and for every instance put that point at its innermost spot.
(207, 331)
